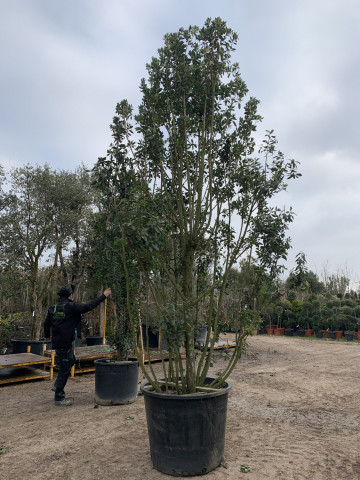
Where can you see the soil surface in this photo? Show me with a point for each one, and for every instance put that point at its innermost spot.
(293, 413)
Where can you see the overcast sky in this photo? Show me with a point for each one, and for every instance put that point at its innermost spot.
(66, 63)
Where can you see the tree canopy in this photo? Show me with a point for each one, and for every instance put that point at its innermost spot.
(193, 191)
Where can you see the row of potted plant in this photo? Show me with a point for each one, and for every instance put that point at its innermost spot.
(308, 332)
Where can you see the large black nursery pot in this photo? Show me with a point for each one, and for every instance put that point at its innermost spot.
(20, 345)
(116, 382)
(186, 432)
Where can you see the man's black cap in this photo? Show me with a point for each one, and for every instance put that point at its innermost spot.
(64, 292)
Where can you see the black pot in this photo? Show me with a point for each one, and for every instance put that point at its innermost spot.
(94, 340)
(262, 331)
(186, 432)
(116, 382)
(153, 336)
(332, 335)
(289, 332)
(300, 333)
(19, 345)
(319, 334)
(349, 337)
(200, 334)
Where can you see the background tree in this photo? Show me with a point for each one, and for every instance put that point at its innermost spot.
(41, 213)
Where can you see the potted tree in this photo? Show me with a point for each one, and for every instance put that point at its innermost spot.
(116, 380)
(357, 330)
(279, 329)
(349, 325)
(305, 323)
(192, 197)
(334, 324)
(318, 325)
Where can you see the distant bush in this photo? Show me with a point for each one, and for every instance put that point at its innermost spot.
(13, 325)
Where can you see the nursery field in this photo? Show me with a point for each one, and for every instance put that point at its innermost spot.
(293, 414)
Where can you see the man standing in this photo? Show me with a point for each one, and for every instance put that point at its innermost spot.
(62, 319)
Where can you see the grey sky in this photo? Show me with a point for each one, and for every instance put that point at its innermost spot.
(65, 64)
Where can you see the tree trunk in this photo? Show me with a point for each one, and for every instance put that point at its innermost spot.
(101, 315)
(33, 303)
(188, 290)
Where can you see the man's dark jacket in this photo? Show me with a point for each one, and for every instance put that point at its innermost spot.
(63, 318)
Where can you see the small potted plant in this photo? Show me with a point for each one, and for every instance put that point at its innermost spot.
(349, 327)
(116, 380)
(317, 324)
(357, 323)
(334, 325)
(279, 329)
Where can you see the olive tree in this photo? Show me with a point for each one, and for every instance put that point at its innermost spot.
(201, 195)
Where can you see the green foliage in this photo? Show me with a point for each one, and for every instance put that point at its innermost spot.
(121, 338)
(172, 326)
(9, 327)
(303, 280)
(245, 469)
(193, 194)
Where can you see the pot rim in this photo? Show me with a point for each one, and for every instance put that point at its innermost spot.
(23, 340)
(113, 361)
(186, 396)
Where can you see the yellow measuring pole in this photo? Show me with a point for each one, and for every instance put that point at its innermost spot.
(104, 332)
(52, 364)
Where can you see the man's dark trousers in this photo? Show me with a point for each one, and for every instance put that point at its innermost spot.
(65, 359)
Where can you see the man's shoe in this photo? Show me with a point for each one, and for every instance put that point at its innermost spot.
(65, 402)
(53, 388)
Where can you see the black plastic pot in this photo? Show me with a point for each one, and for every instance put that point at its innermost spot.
(186, 432)
(300, 333)
(332, 335)
(200, 335)
(149, 335)
(152, 337)
(94, 340)
(319, 334)
(289, 332)
(116, 382)
(349, 337)
(19, 345)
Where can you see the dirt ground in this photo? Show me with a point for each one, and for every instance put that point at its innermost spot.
(293, 413)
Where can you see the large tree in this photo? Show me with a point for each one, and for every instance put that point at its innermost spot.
(202, 194)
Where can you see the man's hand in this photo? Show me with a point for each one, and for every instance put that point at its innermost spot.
(107, 292)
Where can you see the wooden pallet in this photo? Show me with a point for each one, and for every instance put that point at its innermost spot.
(85, 356)
(20, 367)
